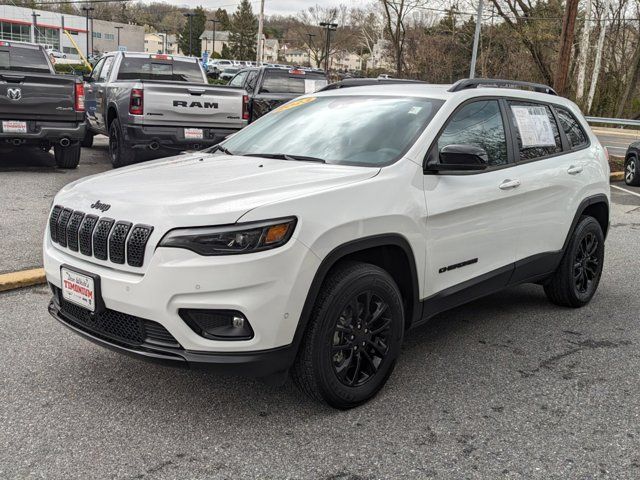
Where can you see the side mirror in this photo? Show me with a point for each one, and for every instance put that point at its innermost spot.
(87, 78)
(460, 158)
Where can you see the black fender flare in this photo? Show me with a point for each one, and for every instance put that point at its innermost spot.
(598, 198)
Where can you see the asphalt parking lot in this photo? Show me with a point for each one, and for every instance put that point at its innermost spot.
(507, 387)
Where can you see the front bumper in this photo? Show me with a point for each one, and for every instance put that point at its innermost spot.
(266, 363)
(43, 132)
(140, 136)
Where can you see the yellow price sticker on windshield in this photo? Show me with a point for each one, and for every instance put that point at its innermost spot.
(294, 104)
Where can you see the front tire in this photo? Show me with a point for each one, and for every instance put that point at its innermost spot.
(632, 171)
(67, 157)
(576, 279)
(118, 152)
(353, 338)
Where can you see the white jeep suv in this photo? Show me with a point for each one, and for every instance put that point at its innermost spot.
(315, 239)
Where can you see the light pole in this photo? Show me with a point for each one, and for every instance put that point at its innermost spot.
(213, 46)
(311, 35)
(329, 27)
(166, 42)
(476, 41)
(87, 9)
(118, 29)
(190, 16)
(35, 16)
(260, 45)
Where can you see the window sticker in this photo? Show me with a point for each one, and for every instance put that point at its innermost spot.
(294, 104)
(534, 126)
(414, 110)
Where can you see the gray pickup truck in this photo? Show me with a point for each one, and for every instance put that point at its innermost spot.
(158, 102)
(37, 107)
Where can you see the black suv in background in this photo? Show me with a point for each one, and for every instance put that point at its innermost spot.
(270, 87)
(37, 107)
(632, 165)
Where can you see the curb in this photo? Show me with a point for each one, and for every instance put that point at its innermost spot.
(613, 177)
(25, 278)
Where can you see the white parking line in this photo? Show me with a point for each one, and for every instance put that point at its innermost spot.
(625, 190)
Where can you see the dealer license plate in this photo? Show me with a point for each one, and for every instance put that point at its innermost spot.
(13, 126)
(193, 134)
(78, 288)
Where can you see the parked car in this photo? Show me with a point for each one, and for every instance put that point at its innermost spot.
(632, 165)
(216, 65)
(39, 108)
(315, 240)
(56, 53)
(158, 102)
(270, 87)
(228, 73)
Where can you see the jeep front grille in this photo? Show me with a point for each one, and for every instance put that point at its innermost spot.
(102, 238)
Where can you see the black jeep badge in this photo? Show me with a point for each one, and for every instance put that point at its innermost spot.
(103, 207)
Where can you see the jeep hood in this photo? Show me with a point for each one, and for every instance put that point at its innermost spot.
(203, 189)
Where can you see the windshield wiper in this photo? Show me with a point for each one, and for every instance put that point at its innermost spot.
(218, 148)
(286, 156)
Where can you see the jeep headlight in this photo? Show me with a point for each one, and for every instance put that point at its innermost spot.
(232, 239)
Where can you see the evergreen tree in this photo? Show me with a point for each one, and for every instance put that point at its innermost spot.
(222, 15)
(243, 32)
(197, 27)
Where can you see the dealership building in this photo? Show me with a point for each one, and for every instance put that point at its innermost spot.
(20, 24)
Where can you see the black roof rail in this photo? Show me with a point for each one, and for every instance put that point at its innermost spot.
(361, 82)
(466, 83)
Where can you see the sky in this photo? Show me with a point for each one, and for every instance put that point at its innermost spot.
(271, 7)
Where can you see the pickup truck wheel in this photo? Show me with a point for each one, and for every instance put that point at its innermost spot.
(118, 151)
(67, 157)
(87, 141)
(632, 171)
(576, 279)
(353, 338)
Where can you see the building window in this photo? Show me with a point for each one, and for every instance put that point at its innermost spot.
(97, 35)
(108, 36)
(49, 37)
(15, 32)
(69, 50)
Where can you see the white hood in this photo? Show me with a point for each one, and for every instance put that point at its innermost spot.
(203, 189)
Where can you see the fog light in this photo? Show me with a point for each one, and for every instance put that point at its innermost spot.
(217, 324)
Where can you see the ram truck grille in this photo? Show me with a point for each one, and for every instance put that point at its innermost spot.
(99, 237)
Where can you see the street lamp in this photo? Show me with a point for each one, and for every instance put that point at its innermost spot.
(35, 26)
(190, 16)
(118, 29)
(329, 27)
(213, 47)
(311, 35)
(87, 9)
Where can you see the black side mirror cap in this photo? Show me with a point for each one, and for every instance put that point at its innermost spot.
(460, 158)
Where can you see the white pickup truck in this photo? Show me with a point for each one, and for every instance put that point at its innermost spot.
(158, 102)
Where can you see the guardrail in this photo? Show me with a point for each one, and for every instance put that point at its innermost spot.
(614, 121)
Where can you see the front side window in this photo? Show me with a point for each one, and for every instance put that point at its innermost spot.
(238, 80)
(478, 124)
(536, 130)
(106, 69)
(572, 129)
(350, 130)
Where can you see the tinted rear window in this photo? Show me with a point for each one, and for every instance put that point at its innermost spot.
(152, 69)
(284, 82)
(572, 129)
(23, 60)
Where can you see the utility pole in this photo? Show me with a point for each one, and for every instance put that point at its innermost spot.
(329, 27)
(190, 16)
(165, 48)
(566, 44)
(118, 29)
(213, 47)
(260, 28)
(34, 37)
(311, 35)
(476, 41)
(87, 9)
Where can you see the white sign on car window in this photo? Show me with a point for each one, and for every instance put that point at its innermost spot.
(534, 126)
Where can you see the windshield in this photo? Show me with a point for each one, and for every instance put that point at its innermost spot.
(350, 130)
(136, 68)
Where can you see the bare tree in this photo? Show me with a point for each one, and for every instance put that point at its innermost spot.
(395, 17)
(584, 50)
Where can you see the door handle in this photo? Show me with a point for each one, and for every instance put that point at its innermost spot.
(574, 170)
(509, 184)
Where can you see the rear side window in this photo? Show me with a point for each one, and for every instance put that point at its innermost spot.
(479, 124)
(536, 130)
(24, 59)
(156, 69)
(284, 82)
(572, 129)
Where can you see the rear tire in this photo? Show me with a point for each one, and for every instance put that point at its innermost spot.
(87, 141)
(632, 171)
(119, 152)
(353, 337)
(576, 279)
(67, 157)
